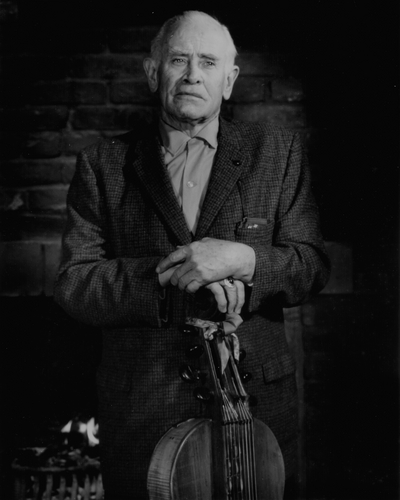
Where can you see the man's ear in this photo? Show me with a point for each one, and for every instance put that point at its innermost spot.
(230, 80)
(151, 70)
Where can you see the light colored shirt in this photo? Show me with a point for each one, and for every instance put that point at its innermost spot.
(189, 161)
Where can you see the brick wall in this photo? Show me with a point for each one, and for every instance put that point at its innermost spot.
(62, 91)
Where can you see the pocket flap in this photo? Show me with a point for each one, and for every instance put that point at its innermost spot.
(278, 367)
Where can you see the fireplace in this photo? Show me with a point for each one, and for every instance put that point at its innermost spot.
(67, 469)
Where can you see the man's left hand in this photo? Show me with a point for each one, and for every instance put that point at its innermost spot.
(207, 261)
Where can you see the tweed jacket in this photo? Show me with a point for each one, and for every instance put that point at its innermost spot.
(123, 218)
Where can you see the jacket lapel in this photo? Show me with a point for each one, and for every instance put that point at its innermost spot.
(228, 166)
(147, 163)
(149, 167)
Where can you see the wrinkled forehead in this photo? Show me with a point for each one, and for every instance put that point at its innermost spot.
(199, 35)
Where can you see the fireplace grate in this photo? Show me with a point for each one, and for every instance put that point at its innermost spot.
(58, 483)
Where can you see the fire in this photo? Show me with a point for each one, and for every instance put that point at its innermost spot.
(67, 427)
(90, 429)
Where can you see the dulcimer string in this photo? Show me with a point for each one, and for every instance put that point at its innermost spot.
(238, 436)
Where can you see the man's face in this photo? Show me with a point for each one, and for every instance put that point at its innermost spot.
(195, 72)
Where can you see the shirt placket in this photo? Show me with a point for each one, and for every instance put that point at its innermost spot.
(190, 188)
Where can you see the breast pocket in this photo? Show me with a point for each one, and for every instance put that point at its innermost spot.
(253, 230)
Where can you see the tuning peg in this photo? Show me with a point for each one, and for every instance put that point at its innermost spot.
(246, 377)
(189, 329)
(194, 351)
(203, 394)
(242, 355)
(188, 373)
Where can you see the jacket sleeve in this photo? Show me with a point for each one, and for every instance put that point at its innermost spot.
(92, 285)
(295, 265)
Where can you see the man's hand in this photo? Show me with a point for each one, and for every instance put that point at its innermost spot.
(165, 277)
(229, 295)
(207, 261)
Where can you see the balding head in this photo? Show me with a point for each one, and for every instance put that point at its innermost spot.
(172, 25)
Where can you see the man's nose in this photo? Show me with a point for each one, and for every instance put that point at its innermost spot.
(193, 74)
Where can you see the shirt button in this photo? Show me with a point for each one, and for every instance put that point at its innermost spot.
(190, 184)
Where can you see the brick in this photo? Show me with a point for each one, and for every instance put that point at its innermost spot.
(284, 115)
(89, 92)
(49, 199)
(109, 118)
(106, 66)
(52, 257)
(36, 118)
(21, 268)
(17, 226)
(133, 114)
(43, 145)
(34, 67)
(259, 63)
(132, 39)
(11, 144)
(48, 93)
(49, 40)
(37, 172)
(341, 278)
(86, 40)
(68, 170)
(74, 141)
(130, 91)
(250, 89)
(12, 200)
(94, 117)
(287, 89)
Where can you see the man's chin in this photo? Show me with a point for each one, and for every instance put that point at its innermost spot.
(188, 116)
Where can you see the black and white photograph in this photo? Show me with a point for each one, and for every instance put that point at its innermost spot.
(199, 250)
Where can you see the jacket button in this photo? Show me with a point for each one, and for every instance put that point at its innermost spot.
(236, 162)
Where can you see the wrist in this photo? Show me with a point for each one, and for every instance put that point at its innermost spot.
(248, 265)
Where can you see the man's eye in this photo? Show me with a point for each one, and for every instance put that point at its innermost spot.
(178, 60)
(209, 63)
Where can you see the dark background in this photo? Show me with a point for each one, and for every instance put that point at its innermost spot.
(348, 61)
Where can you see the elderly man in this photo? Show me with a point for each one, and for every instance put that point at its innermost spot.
(164, 215)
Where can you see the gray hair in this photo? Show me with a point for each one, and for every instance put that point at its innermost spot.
(171, 25)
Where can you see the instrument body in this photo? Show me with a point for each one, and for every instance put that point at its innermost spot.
(230, 456)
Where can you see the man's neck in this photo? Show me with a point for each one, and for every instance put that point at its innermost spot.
(191, 128)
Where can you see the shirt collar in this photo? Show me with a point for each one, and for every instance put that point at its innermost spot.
(174, 140)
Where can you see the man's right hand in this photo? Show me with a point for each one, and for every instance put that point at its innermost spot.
(229, 293)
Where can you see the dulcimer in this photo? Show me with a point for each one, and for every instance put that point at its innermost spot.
(229, 456)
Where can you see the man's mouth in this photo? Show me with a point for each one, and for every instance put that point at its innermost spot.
(189, 94)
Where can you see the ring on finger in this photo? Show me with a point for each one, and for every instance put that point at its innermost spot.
(229, 282)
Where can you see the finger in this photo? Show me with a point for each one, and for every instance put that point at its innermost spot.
(219, 295)
(165, 278)
(172, 259)
(192, 286)
(231, 294)
(240, 296)
(180, 277)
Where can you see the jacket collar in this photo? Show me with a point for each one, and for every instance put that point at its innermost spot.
(147, 163)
